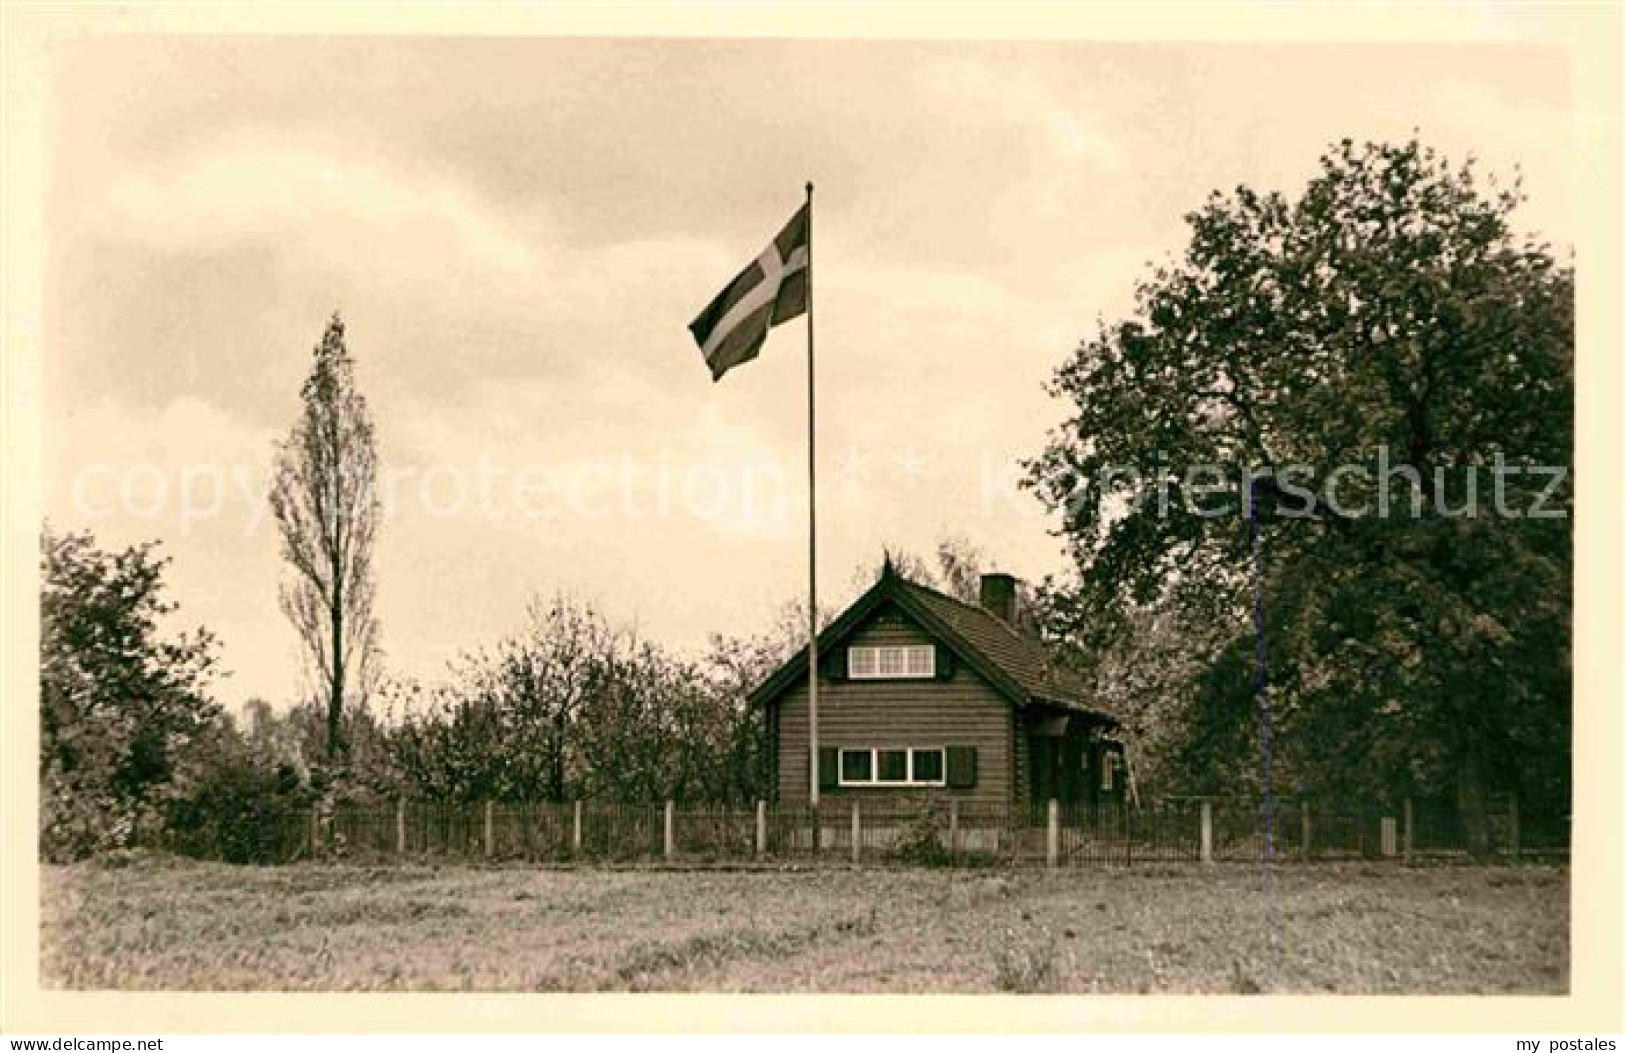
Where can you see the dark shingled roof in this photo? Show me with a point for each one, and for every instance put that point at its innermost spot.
(1017, 664)
(1024, 658)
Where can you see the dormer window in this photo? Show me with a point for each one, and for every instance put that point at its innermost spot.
(913, 662)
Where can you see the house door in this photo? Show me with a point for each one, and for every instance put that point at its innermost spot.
(1046, 734)
(1046, 769)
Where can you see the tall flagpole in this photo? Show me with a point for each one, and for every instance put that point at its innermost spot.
(812, 537)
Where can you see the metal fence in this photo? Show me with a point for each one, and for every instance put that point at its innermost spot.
(878, 832)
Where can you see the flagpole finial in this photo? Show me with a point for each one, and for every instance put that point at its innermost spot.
(809, 188)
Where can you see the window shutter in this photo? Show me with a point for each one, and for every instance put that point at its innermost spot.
(945, 662)
(829, 765)
(961, 767)
(832, 663)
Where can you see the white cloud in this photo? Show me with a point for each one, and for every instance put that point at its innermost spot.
(194, 477)
(998, 98)
(1061, 150)
(253, 185)
(188, 464)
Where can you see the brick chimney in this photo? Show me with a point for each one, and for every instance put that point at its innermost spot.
(999, 595)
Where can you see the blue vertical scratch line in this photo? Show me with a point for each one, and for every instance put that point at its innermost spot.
(1264, 720)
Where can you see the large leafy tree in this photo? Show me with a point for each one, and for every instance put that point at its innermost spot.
(1391, 320)
(122, 702)
(325, 500)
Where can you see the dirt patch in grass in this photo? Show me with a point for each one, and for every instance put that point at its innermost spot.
(1354, 929)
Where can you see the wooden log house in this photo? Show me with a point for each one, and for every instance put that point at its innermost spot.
(921, 694)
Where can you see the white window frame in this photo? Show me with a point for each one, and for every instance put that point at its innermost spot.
(840, 767)
(892, 662)
(1108, 771)
(875, 780)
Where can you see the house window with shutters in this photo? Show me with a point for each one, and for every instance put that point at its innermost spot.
(912, 662)
(953, 767)
(892, 766)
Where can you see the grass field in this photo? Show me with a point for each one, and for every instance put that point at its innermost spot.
(162, 924)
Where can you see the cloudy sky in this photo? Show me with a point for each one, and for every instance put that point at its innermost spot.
(517, 233)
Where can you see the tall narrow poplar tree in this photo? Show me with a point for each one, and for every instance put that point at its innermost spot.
(325, 501)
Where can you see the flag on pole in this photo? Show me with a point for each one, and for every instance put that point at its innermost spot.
(772, 289)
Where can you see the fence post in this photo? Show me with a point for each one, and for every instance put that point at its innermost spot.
(670, 845)
(400, 826)
(575, 830)
(1386, 843)
(1409, 836)
(1052, 840)
(761, 828)
(857, 833)
(490, 832)
(1308, 828)
(953, 826)
(1514, 835)
(315, 829)
(1207, 831)
(1128, 834)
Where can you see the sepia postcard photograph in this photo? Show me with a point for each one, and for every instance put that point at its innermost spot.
(503, 509)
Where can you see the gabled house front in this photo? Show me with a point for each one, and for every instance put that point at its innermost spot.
(924, 694)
